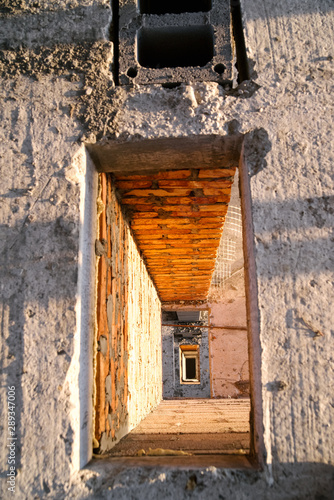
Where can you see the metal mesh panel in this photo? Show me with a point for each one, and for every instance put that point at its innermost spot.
(227, 248)
(233, 221)
(221, 273)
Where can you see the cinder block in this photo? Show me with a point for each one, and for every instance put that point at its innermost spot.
(174, 41)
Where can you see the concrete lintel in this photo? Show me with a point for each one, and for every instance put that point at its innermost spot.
(148, 155)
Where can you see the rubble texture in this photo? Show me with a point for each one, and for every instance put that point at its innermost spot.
(286, 118)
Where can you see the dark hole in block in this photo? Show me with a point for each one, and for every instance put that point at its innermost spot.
(219, 68)
(173, 6)
(175, 46)
(132, 72)
(190, 368)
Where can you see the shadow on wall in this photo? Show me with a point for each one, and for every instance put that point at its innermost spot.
(288, 480)
(39, 276)
(294, 249)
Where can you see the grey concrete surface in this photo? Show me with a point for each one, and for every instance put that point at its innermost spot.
(54, 100)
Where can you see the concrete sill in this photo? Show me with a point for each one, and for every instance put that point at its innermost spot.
(225, 461)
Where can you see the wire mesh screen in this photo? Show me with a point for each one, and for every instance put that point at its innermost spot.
(233, 221)
(227, 248)
(222, 272)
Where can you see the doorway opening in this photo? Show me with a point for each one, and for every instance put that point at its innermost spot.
(160, 234)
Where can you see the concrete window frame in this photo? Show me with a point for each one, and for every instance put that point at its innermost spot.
(151, 154)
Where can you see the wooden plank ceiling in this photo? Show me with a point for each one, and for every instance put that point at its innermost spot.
(177, 218)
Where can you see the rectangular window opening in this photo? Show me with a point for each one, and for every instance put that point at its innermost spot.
(207, 370)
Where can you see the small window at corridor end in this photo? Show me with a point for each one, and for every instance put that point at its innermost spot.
(189, 356)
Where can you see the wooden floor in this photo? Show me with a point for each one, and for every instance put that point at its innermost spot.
(195, 426)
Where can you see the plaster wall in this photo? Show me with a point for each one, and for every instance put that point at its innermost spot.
(144, 344)
(229, 366)
(56, 97)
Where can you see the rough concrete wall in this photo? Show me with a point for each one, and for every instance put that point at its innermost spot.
(128, 358)
(41, 189)
(144, 344)
(44, 174)
(172, 339)
(42, 182)
(292, 216)
(54, 96)
(229, 368)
